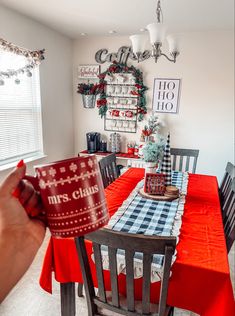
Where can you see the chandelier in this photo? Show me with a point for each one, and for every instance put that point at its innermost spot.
(157, 33)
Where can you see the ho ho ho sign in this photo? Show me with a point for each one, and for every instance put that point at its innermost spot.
(166, 95)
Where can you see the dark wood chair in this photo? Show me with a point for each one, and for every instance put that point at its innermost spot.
(108, 169)
(226, 183)
(131, 243)
(228, 212)
(184, 159)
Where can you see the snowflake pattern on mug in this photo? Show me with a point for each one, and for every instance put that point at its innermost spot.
(52, 172)
(73, 167)
(90, 163)
(42, 184)
(82, 165)
(62, 169)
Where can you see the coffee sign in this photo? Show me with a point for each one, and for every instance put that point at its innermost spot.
(166, 95)
(121, 56)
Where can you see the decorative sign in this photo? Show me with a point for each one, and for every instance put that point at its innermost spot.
(120, 57)
(166, 95)
(88, 71)
(154, 183)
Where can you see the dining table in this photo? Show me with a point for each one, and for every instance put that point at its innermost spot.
(200, 280)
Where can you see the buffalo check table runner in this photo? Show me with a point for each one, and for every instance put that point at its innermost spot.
(139, 215)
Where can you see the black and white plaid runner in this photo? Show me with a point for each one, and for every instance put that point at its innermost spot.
(146, 216)
(139, 215)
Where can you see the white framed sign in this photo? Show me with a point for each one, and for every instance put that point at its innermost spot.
(88, 71)
(166, 93)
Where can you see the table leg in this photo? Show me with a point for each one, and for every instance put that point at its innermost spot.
(80, 287)
(67, 297)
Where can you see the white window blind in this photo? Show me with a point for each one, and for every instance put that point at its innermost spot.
(20, 113)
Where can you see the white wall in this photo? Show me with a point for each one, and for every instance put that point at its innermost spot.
(56, 80)
(206, 113)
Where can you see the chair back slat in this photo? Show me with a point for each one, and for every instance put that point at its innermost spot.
(86, 274)
(130, 243)
(227, 202)
(147, 260)
(165, 280)
(174, 162)
(113, 275)
(187, 163)
(99, 271)
(129, 255)
(229, 219)
(108, 169)
(181, 163)
(186, 157)
(227, 181)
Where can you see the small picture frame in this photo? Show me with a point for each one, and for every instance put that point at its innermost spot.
(90, 71)
(166, 94)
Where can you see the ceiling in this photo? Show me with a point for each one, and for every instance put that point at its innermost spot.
(98, 17)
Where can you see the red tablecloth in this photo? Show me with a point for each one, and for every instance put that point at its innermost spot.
(200, 279)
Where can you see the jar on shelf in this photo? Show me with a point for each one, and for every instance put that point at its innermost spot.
(136, 151)
(115, 143)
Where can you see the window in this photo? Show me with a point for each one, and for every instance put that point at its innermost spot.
(20, 113)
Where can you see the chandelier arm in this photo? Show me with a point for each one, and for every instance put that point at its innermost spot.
(170, 59)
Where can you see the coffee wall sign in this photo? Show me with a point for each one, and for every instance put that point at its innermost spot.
(121, 56)
(166, 94)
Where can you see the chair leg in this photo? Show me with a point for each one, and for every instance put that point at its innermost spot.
(80, 288)
(67, 297)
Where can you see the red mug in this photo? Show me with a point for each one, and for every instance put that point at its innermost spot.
(115, 113)
(131, 150)
(73, 196)
(129, 114)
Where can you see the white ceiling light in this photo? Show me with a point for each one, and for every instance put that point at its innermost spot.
(157, 33)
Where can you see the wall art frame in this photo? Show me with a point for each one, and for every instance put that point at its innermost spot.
(166, 95)
(88, 71)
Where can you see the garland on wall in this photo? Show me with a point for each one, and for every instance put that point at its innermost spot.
(139, 91)
(33, 59)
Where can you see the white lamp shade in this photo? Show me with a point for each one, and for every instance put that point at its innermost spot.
(138, 43)
(157, 32)
(173, 43)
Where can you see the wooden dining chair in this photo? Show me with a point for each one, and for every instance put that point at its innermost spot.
(226, 183)
(108, 169)
(131, 243)
(184, 159)
(228, 212)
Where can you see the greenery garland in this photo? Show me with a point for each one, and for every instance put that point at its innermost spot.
(140, 88)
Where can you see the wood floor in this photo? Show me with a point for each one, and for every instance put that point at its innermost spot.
(28, 299)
